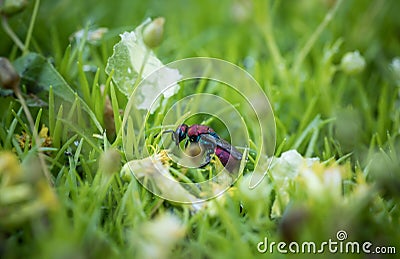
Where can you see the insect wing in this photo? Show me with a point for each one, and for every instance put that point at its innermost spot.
(223, 144)
(208, 142)
(229, 148)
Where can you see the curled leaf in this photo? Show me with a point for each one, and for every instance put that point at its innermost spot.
(132, 62)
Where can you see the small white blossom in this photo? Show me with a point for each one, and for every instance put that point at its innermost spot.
(160, 236)
(291, 172)
(92, 36)
(241, 10)
(352, 63)
(395, 65)
(395, 68)
(289, 165)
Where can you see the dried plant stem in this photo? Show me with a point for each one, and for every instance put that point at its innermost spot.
(10, 32)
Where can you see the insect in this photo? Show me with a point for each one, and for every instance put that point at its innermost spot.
(229, 156)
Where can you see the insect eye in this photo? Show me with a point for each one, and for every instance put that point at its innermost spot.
(181, 135)
(181, 132)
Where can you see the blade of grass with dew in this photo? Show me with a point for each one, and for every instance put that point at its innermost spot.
(84, 86)
(97, 99)
(115, 106)
(52, 120)
(37, 120)
(11, 130)
(21, 122)
(64, 64)
(57, 133)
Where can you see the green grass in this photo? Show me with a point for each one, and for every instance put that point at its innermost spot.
(293, 49)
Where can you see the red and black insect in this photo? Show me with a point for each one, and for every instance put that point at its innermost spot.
(229, 156)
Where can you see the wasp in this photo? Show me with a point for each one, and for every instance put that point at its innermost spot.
(229, 156)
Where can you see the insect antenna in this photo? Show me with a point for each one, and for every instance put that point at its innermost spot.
(166, 131)
(174, 137)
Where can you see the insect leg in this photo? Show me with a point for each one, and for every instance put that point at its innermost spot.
(175, 138)
(206, 162)
(209, 144)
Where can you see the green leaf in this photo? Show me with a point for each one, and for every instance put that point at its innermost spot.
(132, 61)
(37, 73)
(128, 58)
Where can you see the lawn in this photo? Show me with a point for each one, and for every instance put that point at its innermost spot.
(307, 92)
